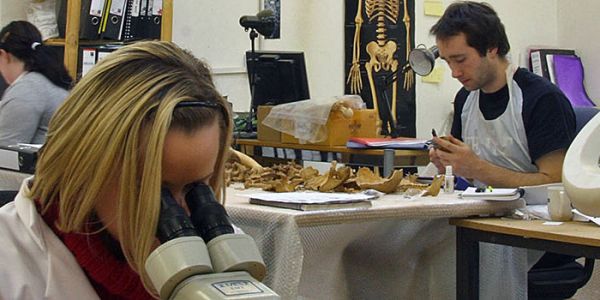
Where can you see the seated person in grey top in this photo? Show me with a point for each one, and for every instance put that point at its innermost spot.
(38, 83)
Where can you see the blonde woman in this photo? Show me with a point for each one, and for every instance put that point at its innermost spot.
(146, 117)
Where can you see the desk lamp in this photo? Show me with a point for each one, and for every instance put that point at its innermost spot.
(422, 60)
(581, 169)
(263, 23)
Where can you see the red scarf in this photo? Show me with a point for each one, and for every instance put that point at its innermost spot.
(100, 257)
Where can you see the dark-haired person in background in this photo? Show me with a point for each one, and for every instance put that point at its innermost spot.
(38, 83)
(511, 127)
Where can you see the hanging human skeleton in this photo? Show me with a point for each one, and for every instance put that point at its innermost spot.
(382, 58)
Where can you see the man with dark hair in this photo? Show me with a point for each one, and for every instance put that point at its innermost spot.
(511, 127)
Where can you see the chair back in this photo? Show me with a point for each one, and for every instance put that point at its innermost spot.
(584, 114)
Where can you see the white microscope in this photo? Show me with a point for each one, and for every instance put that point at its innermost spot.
(581, 169)
(227, 266)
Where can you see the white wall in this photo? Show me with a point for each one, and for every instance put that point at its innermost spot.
(579, 30)
(210, 29)
(531, 22)
(11, 10)
(316, 27)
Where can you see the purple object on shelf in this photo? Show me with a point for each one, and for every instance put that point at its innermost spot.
(568, 71)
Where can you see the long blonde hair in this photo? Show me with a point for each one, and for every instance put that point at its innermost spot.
(113, 125)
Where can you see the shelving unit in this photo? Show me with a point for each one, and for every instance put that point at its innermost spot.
(71, 40)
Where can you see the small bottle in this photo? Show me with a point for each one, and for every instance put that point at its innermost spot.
(449, 181)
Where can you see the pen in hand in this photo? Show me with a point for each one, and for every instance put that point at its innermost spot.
(431, 143)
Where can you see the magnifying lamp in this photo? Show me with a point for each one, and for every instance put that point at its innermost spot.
(263, 22)
(422, 60)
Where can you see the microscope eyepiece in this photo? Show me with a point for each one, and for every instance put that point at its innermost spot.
(208, 216)
(173, 222)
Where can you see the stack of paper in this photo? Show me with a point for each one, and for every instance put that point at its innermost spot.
(496, 194)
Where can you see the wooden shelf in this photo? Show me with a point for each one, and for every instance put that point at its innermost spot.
(71, 41)
(54, 42)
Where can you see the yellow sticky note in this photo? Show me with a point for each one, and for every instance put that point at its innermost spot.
(435, 76)
(433, 8)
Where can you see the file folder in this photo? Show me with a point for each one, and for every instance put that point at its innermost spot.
(89, 56)
(61, 17)
(88, 60)
(538, 60)
(90, 19)
(21, 158)
(155, 16)
(144, 18)
(133, 24)
(104, 50)
(114, 20)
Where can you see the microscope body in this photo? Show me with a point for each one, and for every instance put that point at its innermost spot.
(229, 266)
(229, 285)
(182, 268)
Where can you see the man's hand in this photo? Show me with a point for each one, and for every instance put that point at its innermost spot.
(451, 151)
(465, 163)
(435, 159)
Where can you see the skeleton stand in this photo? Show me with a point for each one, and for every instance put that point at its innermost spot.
(389, 122)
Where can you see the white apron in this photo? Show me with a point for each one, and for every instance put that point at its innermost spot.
(501, 141)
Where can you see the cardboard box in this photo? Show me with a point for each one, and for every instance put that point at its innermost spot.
(339, 128)
(266, 133)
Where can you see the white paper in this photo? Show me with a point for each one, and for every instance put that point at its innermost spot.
(88, 60)
(595, 220)
(117, 7)
(96, 8)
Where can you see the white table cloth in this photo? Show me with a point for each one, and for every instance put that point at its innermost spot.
(397, 249)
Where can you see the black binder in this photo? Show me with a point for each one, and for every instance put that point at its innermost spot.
(91, 19)
(114, 20)
(144, 18)
(21, 158)
(154, 23)
(61, 17)
(132, 29)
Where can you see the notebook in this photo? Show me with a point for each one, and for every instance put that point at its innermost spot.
(495, 194)
(313, 200)
(390, 143)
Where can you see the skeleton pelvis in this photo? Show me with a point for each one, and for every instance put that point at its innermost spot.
(381, 56)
